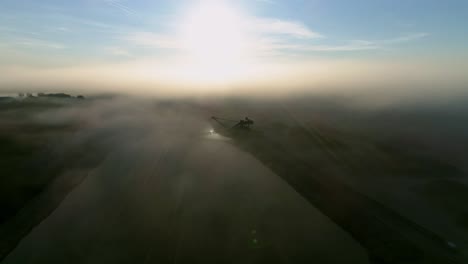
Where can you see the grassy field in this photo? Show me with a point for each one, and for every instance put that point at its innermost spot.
(388, 176)
(38, 164)
(393, 178)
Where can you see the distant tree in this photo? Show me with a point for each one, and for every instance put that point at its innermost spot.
(59, 95)
(80, 97)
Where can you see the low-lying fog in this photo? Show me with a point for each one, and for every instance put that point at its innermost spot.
(143, 178)
(164, 189)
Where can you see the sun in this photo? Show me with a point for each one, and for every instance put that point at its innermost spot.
(214, 39)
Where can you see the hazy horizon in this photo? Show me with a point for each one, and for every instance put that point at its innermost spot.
(265, 48)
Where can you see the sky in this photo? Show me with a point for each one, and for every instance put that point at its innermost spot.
(222, 45)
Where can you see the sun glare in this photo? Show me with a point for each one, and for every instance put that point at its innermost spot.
(215, 40)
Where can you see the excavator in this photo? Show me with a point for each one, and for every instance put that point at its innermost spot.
(243, 124)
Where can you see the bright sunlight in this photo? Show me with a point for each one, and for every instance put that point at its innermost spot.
(215, 40)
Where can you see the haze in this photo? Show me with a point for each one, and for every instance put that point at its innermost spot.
(234, 131)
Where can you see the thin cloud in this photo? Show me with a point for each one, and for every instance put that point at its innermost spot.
(152, 40)
(406, 38)
(117, 51)
(278, 46)
(346, 47)
(271, 2)
(63, 29)
(283, 27)
(275, 44)
(258, 28)
(120, 6)
(16, 32)
(38, 43)
(75, 22)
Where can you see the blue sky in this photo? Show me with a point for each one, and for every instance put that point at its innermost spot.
(53, 33)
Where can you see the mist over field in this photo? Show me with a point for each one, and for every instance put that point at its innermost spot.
(146, 172)
(222, 131)
(149, 167)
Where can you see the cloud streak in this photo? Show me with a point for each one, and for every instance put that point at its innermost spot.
(271, 2)
(406, 38)
(270, 43)
(258, 29)
(269, 36)
(37, 43)
(120, 6)
(279, 45)
(117, 51)
(283, 27)
(152, 40)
